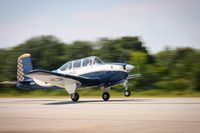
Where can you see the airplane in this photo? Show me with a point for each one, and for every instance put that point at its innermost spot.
(81, 73)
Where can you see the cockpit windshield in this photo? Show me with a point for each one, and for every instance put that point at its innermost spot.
(97, 61)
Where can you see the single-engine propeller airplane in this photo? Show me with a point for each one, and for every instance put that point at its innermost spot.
(86, 72)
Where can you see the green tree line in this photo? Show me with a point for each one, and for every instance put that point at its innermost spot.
(170, 69)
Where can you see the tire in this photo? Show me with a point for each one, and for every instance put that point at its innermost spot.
(75, 97)
(105, 96)
(127, 93)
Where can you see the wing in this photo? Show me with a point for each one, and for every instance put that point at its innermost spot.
(133, 76)
(69, 82)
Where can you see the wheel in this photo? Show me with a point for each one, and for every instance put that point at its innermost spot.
(105, 96)
(127, 93)
(75, 97)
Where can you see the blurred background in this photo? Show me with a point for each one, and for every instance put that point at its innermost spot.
(160, 38)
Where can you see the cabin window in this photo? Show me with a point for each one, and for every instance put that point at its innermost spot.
(66, 66)
(87, 62)
(77, 63)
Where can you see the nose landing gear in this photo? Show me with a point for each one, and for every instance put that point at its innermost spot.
(127, 92)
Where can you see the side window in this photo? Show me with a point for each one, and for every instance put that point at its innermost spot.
(69, 66)
(77, 63)
(90, 62)
(86, 62)
(66, 66)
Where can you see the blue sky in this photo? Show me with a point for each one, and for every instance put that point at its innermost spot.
(159, 23)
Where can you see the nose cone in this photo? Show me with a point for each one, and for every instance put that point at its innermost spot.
(129, 67)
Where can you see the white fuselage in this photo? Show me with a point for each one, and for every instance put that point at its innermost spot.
(92, 68)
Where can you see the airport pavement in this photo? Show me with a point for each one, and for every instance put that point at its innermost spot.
(123, 115)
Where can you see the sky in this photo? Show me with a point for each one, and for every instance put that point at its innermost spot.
(158, 23)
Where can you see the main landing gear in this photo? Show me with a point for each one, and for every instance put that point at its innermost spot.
(105, 95)
(75, 97)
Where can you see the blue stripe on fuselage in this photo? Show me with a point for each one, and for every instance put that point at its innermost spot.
(105, 77)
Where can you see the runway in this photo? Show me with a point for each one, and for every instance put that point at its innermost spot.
(119, 115)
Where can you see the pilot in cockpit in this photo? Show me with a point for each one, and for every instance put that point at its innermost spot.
(90, 62)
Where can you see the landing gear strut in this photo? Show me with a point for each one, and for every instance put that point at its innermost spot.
(127, 92)
(75, 97)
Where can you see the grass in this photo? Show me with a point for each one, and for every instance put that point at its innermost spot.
(13, 92)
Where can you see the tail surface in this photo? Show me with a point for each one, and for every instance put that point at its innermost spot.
(24, 65)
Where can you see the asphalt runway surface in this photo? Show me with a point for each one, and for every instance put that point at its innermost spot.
(119, 115)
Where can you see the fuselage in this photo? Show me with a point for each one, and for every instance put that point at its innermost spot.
(107, 74)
